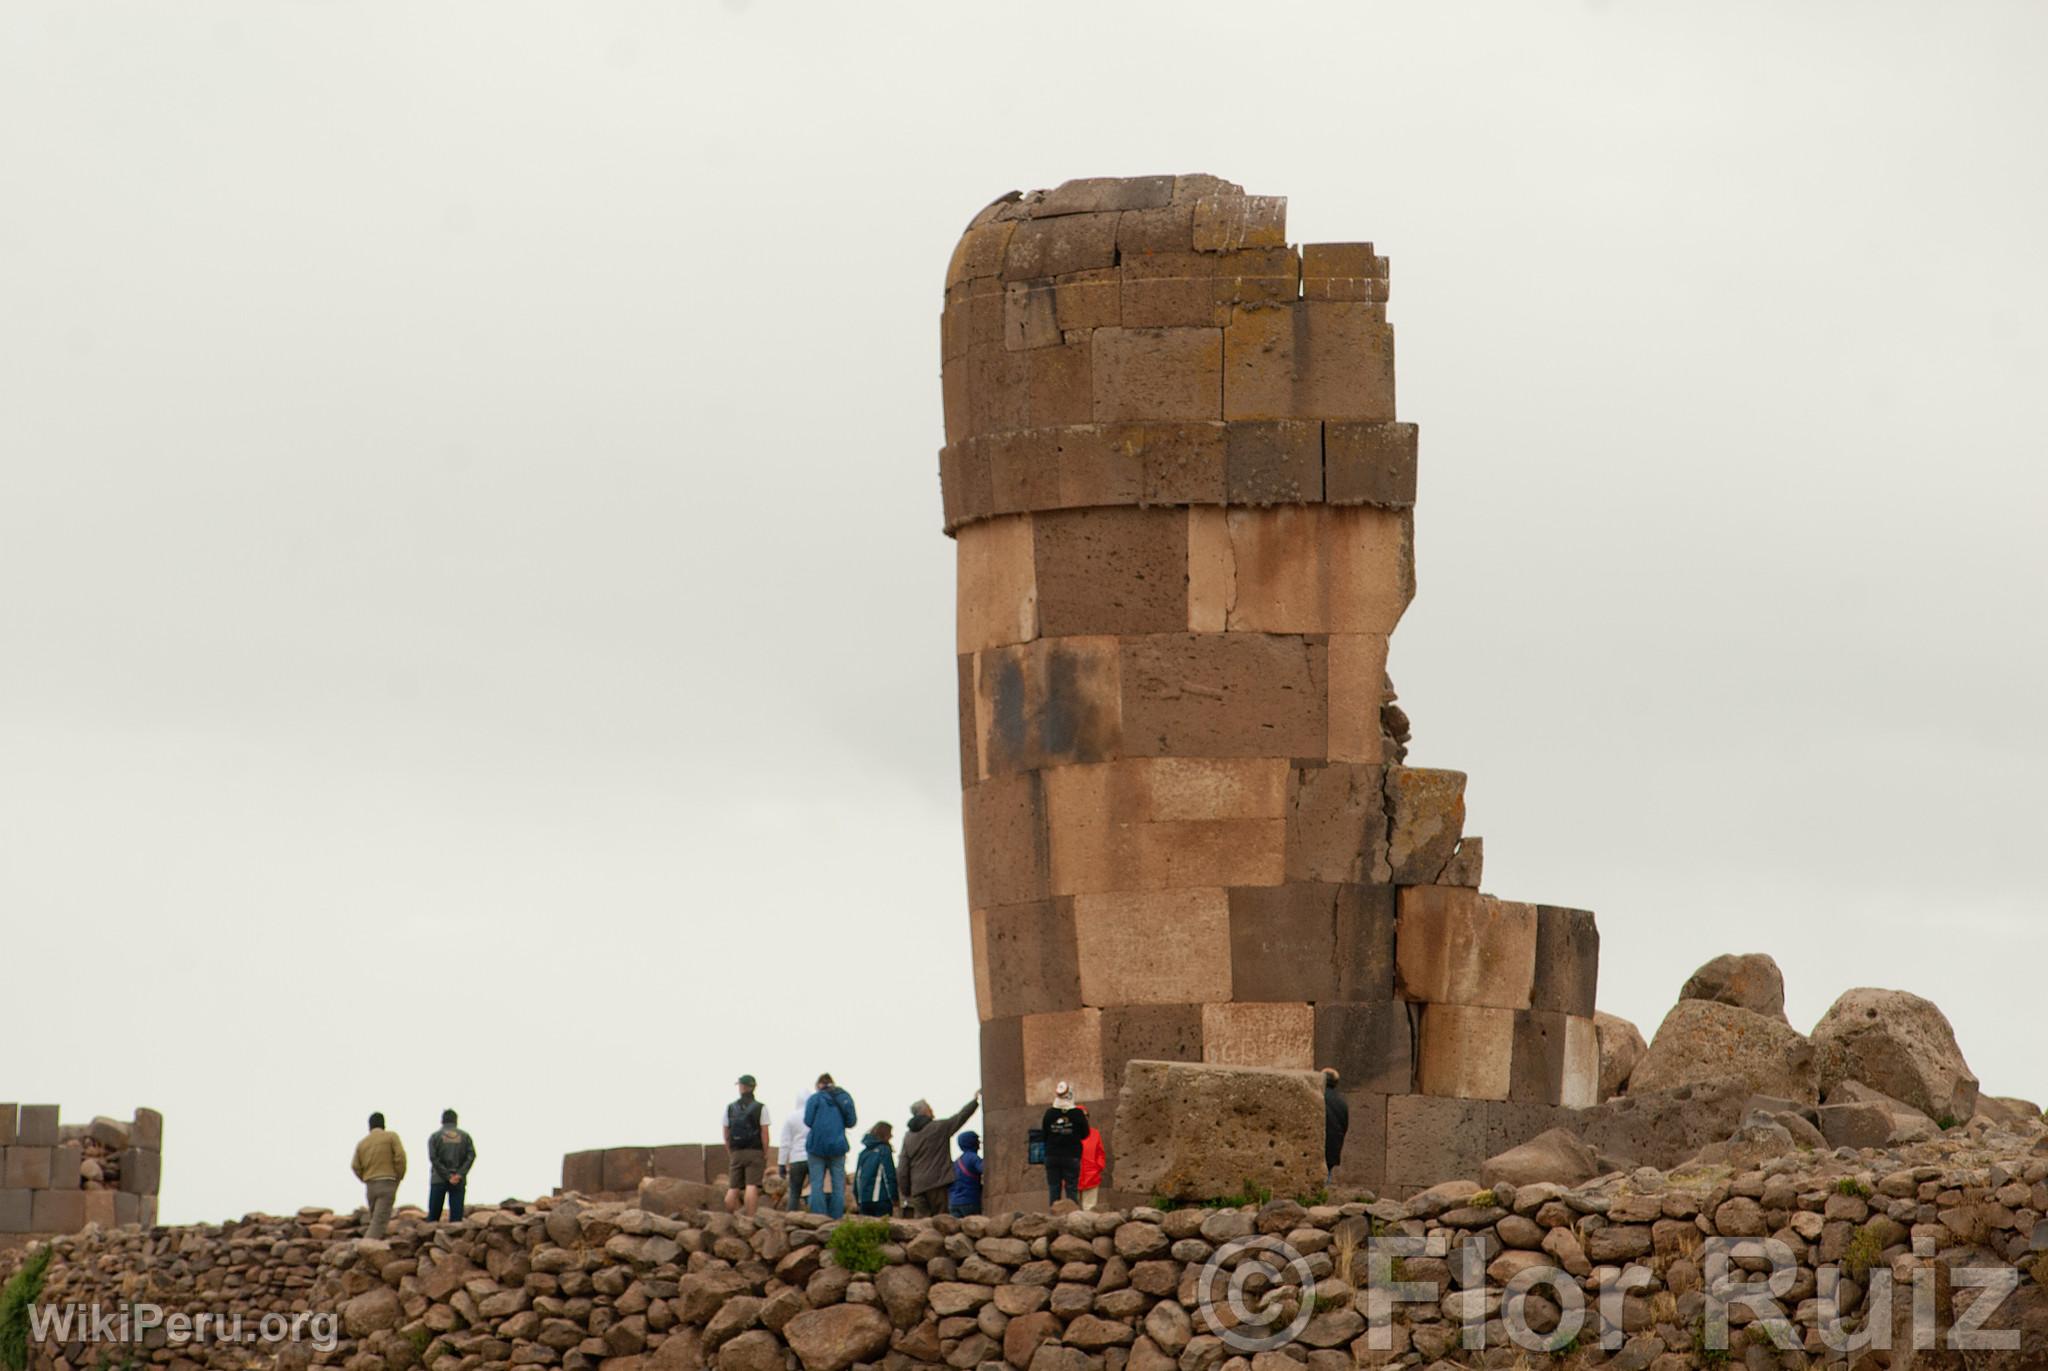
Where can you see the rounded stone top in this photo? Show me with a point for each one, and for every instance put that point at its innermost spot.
(1156, 340)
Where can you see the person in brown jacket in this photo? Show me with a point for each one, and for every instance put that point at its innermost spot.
(924, 1170)
(380, 1165)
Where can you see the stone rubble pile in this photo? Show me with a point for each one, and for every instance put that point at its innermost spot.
(608, 1287)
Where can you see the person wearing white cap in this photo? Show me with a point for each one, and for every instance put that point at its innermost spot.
(1064, 1126)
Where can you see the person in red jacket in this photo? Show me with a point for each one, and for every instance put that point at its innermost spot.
(1094, 1160)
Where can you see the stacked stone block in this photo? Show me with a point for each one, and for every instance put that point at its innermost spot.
(58, 1179)
(619, 1170)
(1183, 510)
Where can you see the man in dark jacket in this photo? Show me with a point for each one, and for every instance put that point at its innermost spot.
(451, 1153)
(828, 1114)
(925, 1167)
(1064, 1126)
(1336, 1123)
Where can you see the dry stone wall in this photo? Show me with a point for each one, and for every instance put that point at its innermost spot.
(57, 1177)
(619, 1171)
(1652, 1256)
(1183, 509)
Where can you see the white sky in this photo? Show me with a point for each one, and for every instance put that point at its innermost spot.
(474, 627)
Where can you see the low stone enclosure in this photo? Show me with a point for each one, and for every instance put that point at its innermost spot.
(1183, 509)
(1644, 1268)
(57, 1177)
(617, 1172)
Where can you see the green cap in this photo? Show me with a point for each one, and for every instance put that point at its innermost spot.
(748, 1081)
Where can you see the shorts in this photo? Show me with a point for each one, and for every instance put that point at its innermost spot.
(746, 1168)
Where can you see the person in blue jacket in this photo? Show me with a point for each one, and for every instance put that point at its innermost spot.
(828, 1114)
(965, 1196)
(874, 1176)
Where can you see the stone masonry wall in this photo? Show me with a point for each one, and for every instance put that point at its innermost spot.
(1183, 509)
(57, 1178)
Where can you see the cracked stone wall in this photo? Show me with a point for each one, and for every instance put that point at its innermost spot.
(1183, 509)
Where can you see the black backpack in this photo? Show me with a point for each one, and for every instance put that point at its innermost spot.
(743, 1122)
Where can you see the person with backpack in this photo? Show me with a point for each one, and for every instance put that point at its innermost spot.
(450, 1154)
(828, 1115)
(1094, 1161)
(746, 1150)
(874, 1176)
(965, 1196)
(1065, 1126)
(926, 1166)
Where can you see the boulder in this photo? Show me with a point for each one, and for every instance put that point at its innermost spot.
(372, 1311)
(1904, 1124)
(1747, 980)
(671, 1198)
(1896, 1042)
(1189, 1131)
(1557, 1155)
(835, 1338)
(1705, 1040)
(2009, 1112)
(1662, 1128)
(1621, 1047)
(752, 1351)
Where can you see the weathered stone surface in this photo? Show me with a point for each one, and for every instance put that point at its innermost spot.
(1427, 808)
(835, 1338)
(1747, 980)
(1663, 1128)
(1194, 1132)
(1621, 1046)
(1703, 1040)
(1250, 1033)
(1456, 946)
(1903, 1122)
(1898, 1043)
(1467, 1051)
(1556, 1155)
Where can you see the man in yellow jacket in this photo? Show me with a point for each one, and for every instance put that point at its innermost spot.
(380, 1166)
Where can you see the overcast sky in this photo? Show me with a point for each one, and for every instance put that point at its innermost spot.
(474, 626)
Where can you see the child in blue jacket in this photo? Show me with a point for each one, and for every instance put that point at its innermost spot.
(965, 1196)
(874, 1178)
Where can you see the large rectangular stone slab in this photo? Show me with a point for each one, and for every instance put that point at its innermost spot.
(1007, 857)
(1369, 464)
(1538, 1075)
(1273, 462)
(1456, 946)
(1580, 1088)
(997, 591)
(1319, 569)
(1431, 1139)
(1336, 823)
(1370, 1044)
(1166, 823)
(28, 1168)
(1190, 289)
(1111, 570)
(1567, 961)
(1426, 809)
(1365, 942)
(1060, 383)
(1283, 942)
(624, 1167)
(1002, 1063)
(1195, 1132)
(16, 1210)
(677, 1161)
(1321, 359)
(57, 1211)
(10, 1116)
(38, 1126)
(1153, 947)
(1061, 1047)
(1240, 1033)
(1058, 245)
(583, 1172)
(1048, 703)
(1223, 695)
(64, 1160)
(1148, 1032)
(1358, 688)
(1026, 957)
(1157, 373)
(1465, 1051)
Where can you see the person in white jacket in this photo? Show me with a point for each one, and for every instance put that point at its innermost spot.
(790, 1155)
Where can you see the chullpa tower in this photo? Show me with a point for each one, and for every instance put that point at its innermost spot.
(1183, 509)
